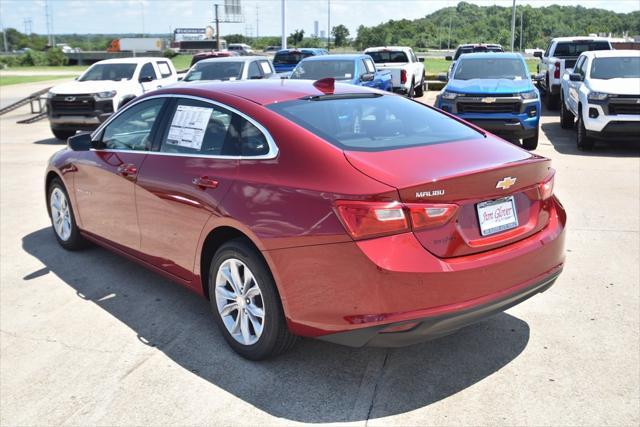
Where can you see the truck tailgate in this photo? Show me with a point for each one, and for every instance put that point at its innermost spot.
(394, 70)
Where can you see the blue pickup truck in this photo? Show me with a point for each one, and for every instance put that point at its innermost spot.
(355, 69)
(285, 60)
(495, 92)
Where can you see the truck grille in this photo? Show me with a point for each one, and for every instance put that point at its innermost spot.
(76, 104)
(494, 107)
(624, 106)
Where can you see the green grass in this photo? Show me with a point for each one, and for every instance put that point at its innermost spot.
(441, 65)
(14, 80)
(181, 62)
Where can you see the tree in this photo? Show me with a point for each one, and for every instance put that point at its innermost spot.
(340, 34)
(296, 37)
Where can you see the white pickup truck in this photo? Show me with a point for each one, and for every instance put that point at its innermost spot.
(101, 90)
(407, 72)
(562, 54)
(603, 93)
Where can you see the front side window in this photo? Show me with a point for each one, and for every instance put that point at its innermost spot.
(371, 68)
(216, 70)
(114, 72)
(316, 70)
(147, 71)
(616, 68)
(201, 128)
(131, 130)
(373, 122)
(578, 65)
(254, 71)
(490, 68)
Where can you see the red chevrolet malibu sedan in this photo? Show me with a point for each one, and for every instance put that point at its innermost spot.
(314, 209)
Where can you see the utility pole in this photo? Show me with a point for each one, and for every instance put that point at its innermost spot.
(142, 16)
(257, 21)
(449, 42)
(521, 25)
(217, 27)
(513, 25)
(283, 17)
(328, 24)
(48, 21)
(4, 35)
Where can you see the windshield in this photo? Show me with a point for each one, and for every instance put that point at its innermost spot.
(388, 56)
(373, 122)
(290, 58)
(109, 72)
(614, 68)
(316, 70)
(471, 49)
(494, 68)
(575, 48)
(215, 71)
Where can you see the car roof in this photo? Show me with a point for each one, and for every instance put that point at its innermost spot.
(302, 49)
(130, 60)
(575, 38)
(491, 55)
(232, 59)
(263, 92)
(480, 44)
(336, 57)
(611, 53)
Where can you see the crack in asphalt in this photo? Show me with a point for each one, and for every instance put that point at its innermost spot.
(375, 386)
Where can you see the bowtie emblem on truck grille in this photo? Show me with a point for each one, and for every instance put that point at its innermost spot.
(506, 182)
(488, 100)
(70, 98)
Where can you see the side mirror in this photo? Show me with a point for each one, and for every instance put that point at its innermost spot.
(421, 59)
(367, 77)
(145, 79)
(537, 77)
(80, 142)
(537, 54)
(575, 77)
(442, 78)
(448, 58)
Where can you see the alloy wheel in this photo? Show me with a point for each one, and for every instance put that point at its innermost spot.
(239, 301)
(60, 214)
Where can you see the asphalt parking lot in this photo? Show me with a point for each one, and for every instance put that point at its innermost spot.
(90, 338)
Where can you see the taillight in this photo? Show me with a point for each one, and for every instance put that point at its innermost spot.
(403, 76)
(374, 219)
(556, 72)
(545, 189)
(371, 219)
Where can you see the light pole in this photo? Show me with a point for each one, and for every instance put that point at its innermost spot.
(283, 41)
(328, 24)
(513, 25)
(521, 25)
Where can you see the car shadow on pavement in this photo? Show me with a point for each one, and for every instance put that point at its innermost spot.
(564, 142)
(50, 141)
(316, 382)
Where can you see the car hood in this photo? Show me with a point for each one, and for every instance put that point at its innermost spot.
(77, 88)
(489, 86)
(616, 86)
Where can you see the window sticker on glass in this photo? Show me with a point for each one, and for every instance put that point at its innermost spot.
(265, 67)
(188, 126)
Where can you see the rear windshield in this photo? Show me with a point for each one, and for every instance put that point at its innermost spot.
(490, 68)
(575, 48)
(613, 68)
(215, 71)
(373, 122)
(290, 58)
(472, 49)
(316, 70)
(388, 56)
(115, 72)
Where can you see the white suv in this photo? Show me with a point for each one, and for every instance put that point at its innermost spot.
(603, 93)
(102, 89)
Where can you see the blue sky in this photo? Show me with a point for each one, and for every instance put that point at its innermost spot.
(160, 16)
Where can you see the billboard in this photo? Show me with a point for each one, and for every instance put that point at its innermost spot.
(232, 8)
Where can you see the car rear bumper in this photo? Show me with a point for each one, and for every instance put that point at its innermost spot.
(432, 327)
(344, 287)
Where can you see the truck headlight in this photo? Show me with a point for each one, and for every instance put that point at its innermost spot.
(107, 94)
(448, 95)
(50, 94)
(597, 96)
(532, 94)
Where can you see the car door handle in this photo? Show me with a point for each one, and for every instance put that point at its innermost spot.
(203, 182)
(128, 170)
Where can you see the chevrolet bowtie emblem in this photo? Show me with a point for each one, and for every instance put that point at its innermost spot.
(506, 182)
(488, 100)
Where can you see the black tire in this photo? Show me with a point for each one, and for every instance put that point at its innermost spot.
(566, 117)
(420, 88)
(412, 88)
(275, 337)
(531, 143)
(583, 142)
(63, 134)
(75, 241)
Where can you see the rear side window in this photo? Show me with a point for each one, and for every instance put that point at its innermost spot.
(200, 128)
(165, 70)
(575, 48)
(266, 67)
(373, 122)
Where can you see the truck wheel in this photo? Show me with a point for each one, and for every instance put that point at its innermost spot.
(420, 88)
(566, 116)
(63, 134)
(412, 89)
(583, 142)
(531, 143)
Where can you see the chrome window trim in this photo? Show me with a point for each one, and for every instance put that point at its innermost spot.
(271, 154)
